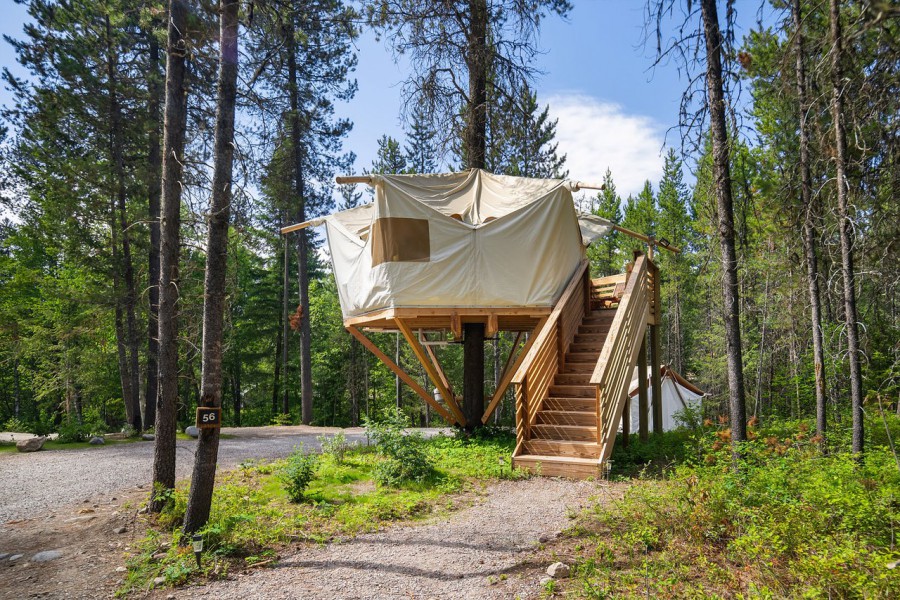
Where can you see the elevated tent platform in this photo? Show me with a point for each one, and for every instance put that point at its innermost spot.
(434, 253)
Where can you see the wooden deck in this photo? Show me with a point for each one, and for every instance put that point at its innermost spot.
(571, 375)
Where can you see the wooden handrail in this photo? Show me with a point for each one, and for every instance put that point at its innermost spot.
(612, 374)
(552, 321)
(544, 359)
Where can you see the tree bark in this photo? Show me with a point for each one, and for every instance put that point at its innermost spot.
(17, 391)
(725, 205)
(477, 59)
(170, 239)
(285, 330)
(203, 479)
(846, 224)
(154, 175)
(276, 378)
(809, 232)
(130, 293)
(473, 374)
(306, 398)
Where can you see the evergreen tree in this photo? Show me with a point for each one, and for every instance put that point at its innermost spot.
(420, 150)
(604, 252)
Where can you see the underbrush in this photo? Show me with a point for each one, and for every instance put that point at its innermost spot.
(253, 519)
(787, 523)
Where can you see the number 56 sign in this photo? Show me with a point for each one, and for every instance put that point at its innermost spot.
(208, 417)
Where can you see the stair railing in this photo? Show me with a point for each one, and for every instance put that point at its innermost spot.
(613, 372)
(546, 357)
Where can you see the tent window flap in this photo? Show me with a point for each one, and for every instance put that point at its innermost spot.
(400, 239)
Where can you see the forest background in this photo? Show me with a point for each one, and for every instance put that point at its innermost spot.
(77, 241)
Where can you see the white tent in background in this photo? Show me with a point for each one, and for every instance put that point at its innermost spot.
(677, 394)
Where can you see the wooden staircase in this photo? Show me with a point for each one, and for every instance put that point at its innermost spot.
(564, 437)
(571, 387)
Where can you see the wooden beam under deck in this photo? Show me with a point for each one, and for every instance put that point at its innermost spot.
(431, 370)
(401, 373)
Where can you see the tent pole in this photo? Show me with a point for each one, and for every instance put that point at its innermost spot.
(642, 391)
(655, 382)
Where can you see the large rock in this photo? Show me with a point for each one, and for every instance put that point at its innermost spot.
(31, 445)
(558, 570)
(192, 431)
(96, 441)
(148, 437)
(46, 555)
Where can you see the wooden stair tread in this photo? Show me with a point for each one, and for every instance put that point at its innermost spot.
(576, 460)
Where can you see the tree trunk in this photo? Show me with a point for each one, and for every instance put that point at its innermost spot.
(130, 295)
(203, 479)
(306, 398)
(725, 205)
(809, 230)
(474, 153)
(398, 390)
(121, 336)
(477, 62)
(17, 385)
(285, 331)
(840, 163)
(473, 374)
(170, 239)
(154, 175)
(276, 379)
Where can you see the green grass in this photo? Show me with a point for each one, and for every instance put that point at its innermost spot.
(788, 523)
(252, 520)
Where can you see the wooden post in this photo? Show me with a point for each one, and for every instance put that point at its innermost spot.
(655, 382)
(642, 391)
(626, 421)
(473, 373)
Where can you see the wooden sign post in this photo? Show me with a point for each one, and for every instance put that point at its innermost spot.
(209, 417)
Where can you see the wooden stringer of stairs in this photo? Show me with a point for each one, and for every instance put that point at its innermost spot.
(569, 401)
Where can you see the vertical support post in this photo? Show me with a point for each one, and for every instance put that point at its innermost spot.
(626, 422)
(642, 391)
(473, 373)
(655, 382)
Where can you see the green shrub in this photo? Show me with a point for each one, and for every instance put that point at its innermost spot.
(298, 472)
(15, 425)
(283, 419)
(335, 446)
(405, 459)
(787, 518)
(72, 432)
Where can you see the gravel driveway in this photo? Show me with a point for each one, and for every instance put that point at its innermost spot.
(478, 553)
(32, 483)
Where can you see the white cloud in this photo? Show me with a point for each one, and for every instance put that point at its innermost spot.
(595, 135)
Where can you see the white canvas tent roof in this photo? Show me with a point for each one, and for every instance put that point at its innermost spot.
(469, 239)
(677, 394)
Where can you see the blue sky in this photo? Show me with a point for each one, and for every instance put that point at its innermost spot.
(613, 108)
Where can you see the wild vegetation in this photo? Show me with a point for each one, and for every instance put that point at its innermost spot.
(257, 513)
(789, 522)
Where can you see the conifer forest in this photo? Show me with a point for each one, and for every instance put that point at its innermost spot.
(127, 200)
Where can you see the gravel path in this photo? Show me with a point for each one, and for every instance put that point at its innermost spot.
(476, 553)
(33, 483)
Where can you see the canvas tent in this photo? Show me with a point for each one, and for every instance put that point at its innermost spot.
(470, 239)
(677, 394)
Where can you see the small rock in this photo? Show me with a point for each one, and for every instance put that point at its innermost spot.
(3, 555)
(148, 437)
(558, 570)
(119, 530)
(143, 510)
(545, 580)
(96, 441)
(46, 556)
(545, 538)
(121, 569)
(157, 581)
(170, 597)
(32, 444)
(159, 556)
(192, 431)
(14, 557)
